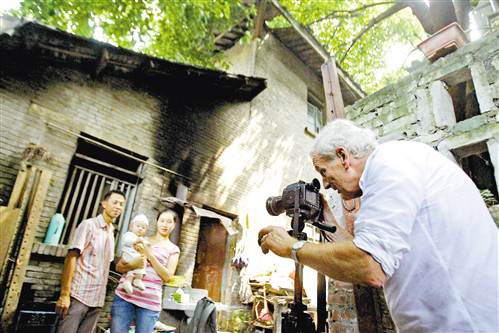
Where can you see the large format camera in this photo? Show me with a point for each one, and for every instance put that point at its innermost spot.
(302, 202)
(309, 201)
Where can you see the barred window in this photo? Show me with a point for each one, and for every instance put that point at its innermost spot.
(93, 171)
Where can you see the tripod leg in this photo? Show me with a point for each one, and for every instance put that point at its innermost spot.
(321, 303)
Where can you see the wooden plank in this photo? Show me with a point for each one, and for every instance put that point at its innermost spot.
(98, 198)
(101, 62)
(108, 165)
(19, 187)
(334, 100)
(90, 197)
(42, 178)
(70, 226)
(9, 218)
(23, 186)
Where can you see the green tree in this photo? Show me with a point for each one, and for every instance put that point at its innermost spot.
(179, 30)
(360, 32)
(338, 26)
(357, 32)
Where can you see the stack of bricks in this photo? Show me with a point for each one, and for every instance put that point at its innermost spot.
(44, 278)
(341, 307)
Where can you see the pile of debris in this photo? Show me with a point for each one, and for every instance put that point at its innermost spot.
(271, 293)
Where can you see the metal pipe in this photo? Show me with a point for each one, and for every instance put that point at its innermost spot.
(115, 150)
(105, 164)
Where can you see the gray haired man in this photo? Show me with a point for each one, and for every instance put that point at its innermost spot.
(423, 232)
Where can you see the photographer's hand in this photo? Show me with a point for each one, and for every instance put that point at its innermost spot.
(277, 240)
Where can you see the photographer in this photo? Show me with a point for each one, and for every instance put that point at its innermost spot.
(423, 232)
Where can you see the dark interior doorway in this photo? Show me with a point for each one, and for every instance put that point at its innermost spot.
(476, 162)
(210, 257)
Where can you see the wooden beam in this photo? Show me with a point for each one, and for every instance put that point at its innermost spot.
(102, 62)
(19, 187)
(38, 195)
(12, 215)
(258, 22)
(334, 100)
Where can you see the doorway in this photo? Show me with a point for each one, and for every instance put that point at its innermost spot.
(210, 257)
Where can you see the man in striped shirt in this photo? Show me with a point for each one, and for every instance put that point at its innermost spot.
(86, 268)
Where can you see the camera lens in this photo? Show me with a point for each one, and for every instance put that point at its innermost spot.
(274, 206)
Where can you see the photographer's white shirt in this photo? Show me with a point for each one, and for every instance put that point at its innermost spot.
(423, 219)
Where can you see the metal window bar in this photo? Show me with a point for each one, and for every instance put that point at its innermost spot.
(82, 201)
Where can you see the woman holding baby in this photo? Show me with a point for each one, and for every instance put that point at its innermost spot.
(139, 296)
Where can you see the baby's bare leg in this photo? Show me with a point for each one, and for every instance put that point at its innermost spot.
(137, 281)
(127, 285)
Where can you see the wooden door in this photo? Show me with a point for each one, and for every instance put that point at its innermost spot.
(210, 257)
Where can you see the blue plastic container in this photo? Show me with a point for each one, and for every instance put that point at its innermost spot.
(54, 230)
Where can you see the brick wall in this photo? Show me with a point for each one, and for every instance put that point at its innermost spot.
(270, 146)
(239, 153)
(44, 276)
(341, 307)
(112, 110)
(188, 243)
(70, 100)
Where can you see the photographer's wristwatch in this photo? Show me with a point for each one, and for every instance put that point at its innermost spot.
(294, 249)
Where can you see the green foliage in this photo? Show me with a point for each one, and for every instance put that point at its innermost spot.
(179, 30)
(184, 30)
(365, 61)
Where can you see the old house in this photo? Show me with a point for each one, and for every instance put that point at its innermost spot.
(451, 104)
(98, 117)
(291, 61)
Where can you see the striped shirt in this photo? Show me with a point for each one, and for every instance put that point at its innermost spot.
(151, 297)
(94, 239)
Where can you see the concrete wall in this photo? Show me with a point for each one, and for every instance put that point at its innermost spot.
(272, 149)
(420, 107)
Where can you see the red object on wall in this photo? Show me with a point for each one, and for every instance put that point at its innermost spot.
(444, 41)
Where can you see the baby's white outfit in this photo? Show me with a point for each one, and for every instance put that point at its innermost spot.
(129, 253)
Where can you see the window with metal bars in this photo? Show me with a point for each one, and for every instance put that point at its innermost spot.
(93, 171)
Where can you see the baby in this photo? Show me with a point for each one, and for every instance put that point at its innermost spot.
(138, 228)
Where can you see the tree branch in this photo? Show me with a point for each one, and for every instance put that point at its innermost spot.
(348, 12)
(384, 15)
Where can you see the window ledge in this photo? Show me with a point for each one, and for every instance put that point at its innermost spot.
(49, 250)
(310, 132)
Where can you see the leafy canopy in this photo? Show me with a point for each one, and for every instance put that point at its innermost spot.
(336, 23)
(184, 30)
(178, 30)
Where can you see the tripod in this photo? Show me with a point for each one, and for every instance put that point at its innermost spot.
(297, 320)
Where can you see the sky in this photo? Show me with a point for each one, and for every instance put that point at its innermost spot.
(6, 5)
